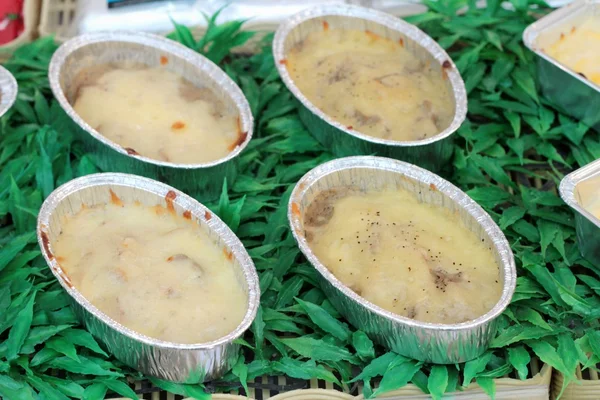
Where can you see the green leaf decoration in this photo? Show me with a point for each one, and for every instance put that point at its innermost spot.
(438, 381)
(363, 345)
(317, 350)
(396, 377)
(325, 321)
(20, 329)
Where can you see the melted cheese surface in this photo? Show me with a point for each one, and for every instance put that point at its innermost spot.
(410, 258)
(155, 273)
(371, 84)
(579, 49)
(157, 114)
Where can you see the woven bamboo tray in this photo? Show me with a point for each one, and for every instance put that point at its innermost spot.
(277, 388)
(587, 386)
(31, 15)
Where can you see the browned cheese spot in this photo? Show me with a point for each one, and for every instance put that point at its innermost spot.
(445, 66)
(372, 35)
(171, 195)
(178, 126)
(295, 209)
(228, 254)
(115, 199)
(239, 141)
(46, 244)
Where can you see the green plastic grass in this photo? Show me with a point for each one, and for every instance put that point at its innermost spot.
(509, 155)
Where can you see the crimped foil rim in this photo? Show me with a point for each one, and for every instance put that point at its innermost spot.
(198, 210)
(533, 31)
(168, 46)
(8, 90)
(569, 183)
(422, 175)
(393, 23)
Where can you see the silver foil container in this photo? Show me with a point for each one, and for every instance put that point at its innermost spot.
(80, 53)
(8, 90)
(437, 343)
(432, 153)
(578, 190)
(573, 94)
(189, 363)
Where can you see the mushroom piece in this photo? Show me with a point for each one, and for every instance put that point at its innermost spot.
(182, 258)
(309, 235)
(342, 72)
(442, 278)
(385, 81)
(321, 209)
(364, 119)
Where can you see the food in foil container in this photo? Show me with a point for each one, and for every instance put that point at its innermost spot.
(581, 191)
(567, 43)
(154, 275)
(371, 84)
(151, 270)
(156, 113)
(579, 48)
(410, 258)
(115, 79)
(387, 240)
(354, 70)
